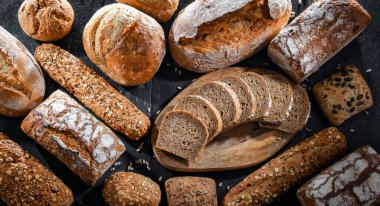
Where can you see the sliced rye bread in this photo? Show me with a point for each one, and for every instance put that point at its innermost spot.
(225, 101)
(245, 95)
(260, 90)
(182, 134)
(205, 111)
(281, 91)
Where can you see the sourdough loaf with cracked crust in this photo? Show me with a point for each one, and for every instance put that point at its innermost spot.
(74, 136)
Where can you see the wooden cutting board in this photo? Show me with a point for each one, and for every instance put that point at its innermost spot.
(241, 147)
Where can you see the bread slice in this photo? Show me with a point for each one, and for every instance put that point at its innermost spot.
(205, 111)
(260, 90)
(224, 99)
(182, 134)
(245, 95)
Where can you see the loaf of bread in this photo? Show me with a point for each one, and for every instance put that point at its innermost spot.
(127, 188)
(126, 44)
(161, 10)
(25, 181)
(46, 20)
(22, 84)
(213, 34)
(191, 191)
(93, 91)
(353, 181)
(316, 35)
(74, 136)
(287, 170)
(343, 94)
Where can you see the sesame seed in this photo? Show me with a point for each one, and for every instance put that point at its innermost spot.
(228, 188)
(158, 111)
(160, 179)
(220, 184)
(352, 130)
(266, 64)
(366, 112)
(179, 72)
(149, 109)
(180, 88)
(368, 70)
(299, 1)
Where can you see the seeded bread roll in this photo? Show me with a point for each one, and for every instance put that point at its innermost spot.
(22, 84)
(191, 191)
(353, 181)
(214, 34)
(25, 181)
(342, 95)
(126, 44)
(93, 91)
(74, 136)
(287, 170)
(127, 188)
(161, 10)
(316, 35)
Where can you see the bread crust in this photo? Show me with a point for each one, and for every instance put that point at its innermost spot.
(22, 84)
(126, 44)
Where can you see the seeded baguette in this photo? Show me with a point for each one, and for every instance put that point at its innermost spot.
(289, 169)
(25, 181)
(93, 91)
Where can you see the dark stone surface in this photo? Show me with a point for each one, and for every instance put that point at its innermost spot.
(362, 52)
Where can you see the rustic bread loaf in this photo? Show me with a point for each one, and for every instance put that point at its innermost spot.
(182, 134)
(316, 35)
(127, 188)
(353, 181)
(74, 136)
(205, 111)
(93, 91)
(162, 11)
(287, 170)
(22, 84)
(225, 101)
(126, 44)
(246, 98)
(191, 191)
(46, 20)
(342, 95)
(25, 181)
(213, 34)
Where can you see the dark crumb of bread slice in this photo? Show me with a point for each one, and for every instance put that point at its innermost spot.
(225, 101)
(182, 134)
(205, 111)
(245, 95)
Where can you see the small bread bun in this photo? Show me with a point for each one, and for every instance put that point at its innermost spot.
(127, 188)
(46, 20)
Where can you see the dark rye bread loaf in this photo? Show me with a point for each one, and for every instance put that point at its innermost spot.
(224, 99)
(25, 181)
(182, 134)
(246, 98)
(205, 111)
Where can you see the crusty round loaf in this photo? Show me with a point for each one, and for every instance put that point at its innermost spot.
(161, 10)
(46, 20)
(126, 44)
(22, 84)
(127, 188)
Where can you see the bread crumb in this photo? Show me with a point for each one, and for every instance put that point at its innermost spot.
(117, 164)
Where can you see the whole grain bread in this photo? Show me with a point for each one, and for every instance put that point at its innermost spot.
(292, 167)
(205, 111)
(191, 191)
(74, 136)
(22, 84)
(225, 101)
(127, 188)
(213, 34)
(316, 35)
(182, 134)
(93, 91)
(25, 181)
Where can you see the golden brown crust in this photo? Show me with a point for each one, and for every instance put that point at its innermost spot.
(46, 20)
(93, 91)
(126, 188)
(25, 181)
(290, 168)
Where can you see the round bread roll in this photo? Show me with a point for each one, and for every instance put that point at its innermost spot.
(126, 44)
(127, 188)
(46, 20)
